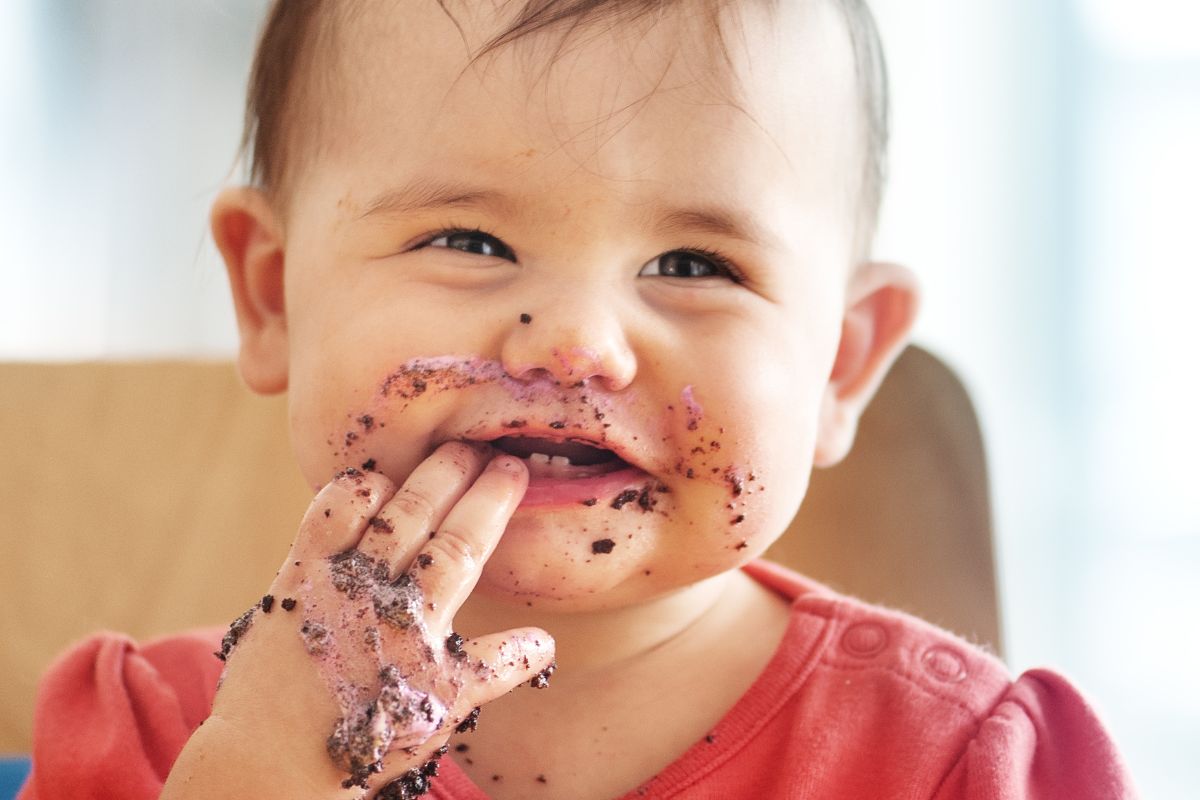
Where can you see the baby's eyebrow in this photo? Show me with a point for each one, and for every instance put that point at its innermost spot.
(430, 194)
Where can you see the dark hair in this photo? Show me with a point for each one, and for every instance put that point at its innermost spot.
(294, 29)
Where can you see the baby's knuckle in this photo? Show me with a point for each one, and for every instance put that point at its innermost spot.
(412, 504)
(455, 545)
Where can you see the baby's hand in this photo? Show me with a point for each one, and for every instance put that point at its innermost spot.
(352, 655)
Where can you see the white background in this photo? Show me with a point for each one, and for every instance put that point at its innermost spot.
(1044, 186)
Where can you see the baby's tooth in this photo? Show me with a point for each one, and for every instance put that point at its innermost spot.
(539, 458)
(560, 461)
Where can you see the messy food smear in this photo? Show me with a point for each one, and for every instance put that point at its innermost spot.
(383, 704)
(574, 413)
(393, 681)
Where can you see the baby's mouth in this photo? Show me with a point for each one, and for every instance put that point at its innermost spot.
(560, 460)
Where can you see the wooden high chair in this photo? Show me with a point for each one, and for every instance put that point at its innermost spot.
(152, 497)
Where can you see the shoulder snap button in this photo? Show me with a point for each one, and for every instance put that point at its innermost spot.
(944, 664)
(864, 639)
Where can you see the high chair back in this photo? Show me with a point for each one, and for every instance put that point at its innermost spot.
(151, 497)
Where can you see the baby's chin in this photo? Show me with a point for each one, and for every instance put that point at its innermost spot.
(569, 565)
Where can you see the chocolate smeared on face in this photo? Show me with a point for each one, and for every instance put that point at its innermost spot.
(625, 497)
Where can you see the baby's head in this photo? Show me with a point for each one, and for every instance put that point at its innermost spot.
(627, 234)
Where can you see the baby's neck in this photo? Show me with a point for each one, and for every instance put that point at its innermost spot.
(635, 688)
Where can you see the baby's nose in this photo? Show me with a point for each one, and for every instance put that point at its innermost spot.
(571, 348)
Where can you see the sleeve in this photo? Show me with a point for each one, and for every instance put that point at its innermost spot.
(1042, 741)
(111, 716)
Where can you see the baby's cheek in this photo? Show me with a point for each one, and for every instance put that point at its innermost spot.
(747, 457)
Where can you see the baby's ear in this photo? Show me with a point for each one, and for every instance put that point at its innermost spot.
(881, 306)
(250, 238)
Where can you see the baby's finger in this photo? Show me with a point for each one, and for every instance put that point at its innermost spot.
(452, 560)
(400, 529)
(335, 519)
(505, 661)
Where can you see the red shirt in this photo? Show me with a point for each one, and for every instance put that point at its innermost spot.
(858, 702)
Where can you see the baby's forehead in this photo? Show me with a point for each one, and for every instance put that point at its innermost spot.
(617, 95)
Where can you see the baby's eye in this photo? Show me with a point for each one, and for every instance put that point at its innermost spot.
(473, 241)
(689, 264)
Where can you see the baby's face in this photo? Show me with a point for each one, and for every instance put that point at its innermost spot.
(533, 254)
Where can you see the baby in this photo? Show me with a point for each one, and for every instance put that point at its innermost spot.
(569, 297)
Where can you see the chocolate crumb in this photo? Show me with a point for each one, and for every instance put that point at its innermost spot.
(267, 603)
(367, 421)
(558, 425)
(591, 501)
(461, 748)
(645, 499)
(710, 738)
(454, 646)
(413, 783)
(627, 496)
(287, 603)
(380, 524)
(541, 778)
(495, 777)
(470, 722)
(526, 319)
(316, 637)
(741, 545)
(603, 546)
(691, 473)
(424, 560)
(369, 465)
(353, 572)
(418, 386)
(327, 512)
(542, 679)
(738, 520)
(237, 629)
(514, 423)
(351, 438)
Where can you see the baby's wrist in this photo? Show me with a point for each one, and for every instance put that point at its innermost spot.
(222, 760)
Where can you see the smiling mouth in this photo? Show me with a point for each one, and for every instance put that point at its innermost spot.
(560, 460)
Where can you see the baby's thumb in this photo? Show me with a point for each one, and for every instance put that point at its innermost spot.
(506, 661)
